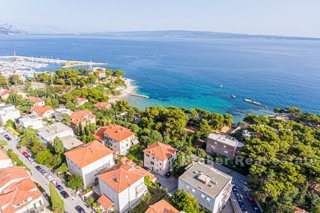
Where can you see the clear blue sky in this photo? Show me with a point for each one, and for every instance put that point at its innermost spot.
(279, 17)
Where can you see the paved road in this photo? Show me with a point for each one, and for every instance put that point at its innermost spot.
(70, 202)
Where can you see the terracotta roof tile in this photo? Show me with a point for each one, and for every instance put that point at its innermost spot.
(105, 202)
(40, 110)
(3, 155)
(18, 192)
(160, 150)
(88, 153)
(11, 173)
(162, 207)
(121, 176)
(104, 105)
(82, 116)
(115, 132)
(34, 99)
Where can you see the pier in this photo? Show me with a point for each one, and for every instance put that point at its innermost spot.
(65, 63)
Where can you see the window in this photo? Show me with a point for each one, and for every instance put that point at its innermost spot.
(147, 155)
(203, 196)
(208, 199)
(188, 187)
(193, 190)
(152, 163)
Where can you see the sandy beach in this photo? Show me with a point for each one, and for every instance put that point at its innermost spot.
(129, 90)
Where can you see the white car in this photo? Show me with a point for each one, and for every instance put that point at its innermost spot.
(50, 178)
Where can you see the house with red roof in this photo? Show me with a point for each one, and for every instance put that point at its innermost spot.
(5, 161)
(18, 193)
(84, 117)
(43, 111)
(36, 101)
(88, 160)
(81, 101)
(4, 93)
(102, 105)
(116, 138)
(159, 157)
(122, 186)
(161, 206)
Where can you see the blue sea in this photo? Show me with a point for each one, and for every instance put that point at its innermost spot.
(197, 72)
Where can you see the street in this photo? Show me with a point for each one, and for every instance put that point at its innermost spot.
(37, 177)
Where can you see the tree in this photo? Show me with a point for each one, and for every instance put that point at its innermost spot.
(66, 119)
(58, 146)
(13, 99)
(62, 169)
(3, 143)
(204, 129)
(182, 160)
(25, 105)
(75, 182)
(44, 157)
(56, 200)
(185, 202)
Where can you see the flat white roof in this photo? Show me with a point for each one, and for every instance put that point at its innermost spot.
(225, 139)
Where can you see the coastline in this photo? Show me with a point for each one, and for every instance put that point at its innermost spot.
(125, 92)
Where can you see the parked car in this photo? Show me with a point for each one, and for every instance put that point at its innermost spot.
(25, 154)
(54, 182)
(38, 168)
(7, 137)
(64, 194)
(79, 209)
(50, 178)
(59, 187)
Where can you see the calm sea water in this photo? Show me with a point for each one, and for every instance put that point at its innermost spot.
(197, 72)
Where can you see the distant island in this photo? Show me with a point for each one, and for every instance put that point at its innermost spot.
(7, 29)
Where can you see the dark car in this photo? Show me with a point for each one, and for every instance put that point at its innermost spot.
(168, 174)
(79, 209)
(7, 137)
(38, 168)
(64, 194)
(242, 207)
(59, 187)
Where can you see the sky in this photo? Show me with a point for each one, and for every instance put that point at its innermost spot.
(273, 17)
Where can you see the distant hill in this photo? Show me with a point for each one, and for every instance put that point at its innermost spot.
(7, 29)
(190, 34)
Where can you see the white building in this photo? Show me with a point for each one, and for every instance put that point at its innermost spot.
(32, 120)
(122, 186)
(47, 134)
(88, 160)
(60, 112)
(211, 187)
(159, 157)
(223, 145)
(8, 112)
(5, 161)
(18, 193)
(116, 138)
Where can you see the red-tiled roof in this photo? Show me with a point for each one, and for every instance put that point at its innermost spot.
(3, 156)
(121, 176)
(88, 153)
(12, 173)
(160, 150)
(115, 132)
(299, 210)
(17, 192)
(105, 202)
(162, 207)
(104, 105)
(40, 110)
(82, 116)
(34, 99)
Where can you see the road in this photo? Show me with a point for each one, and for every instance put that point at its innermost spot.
(70, 202)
